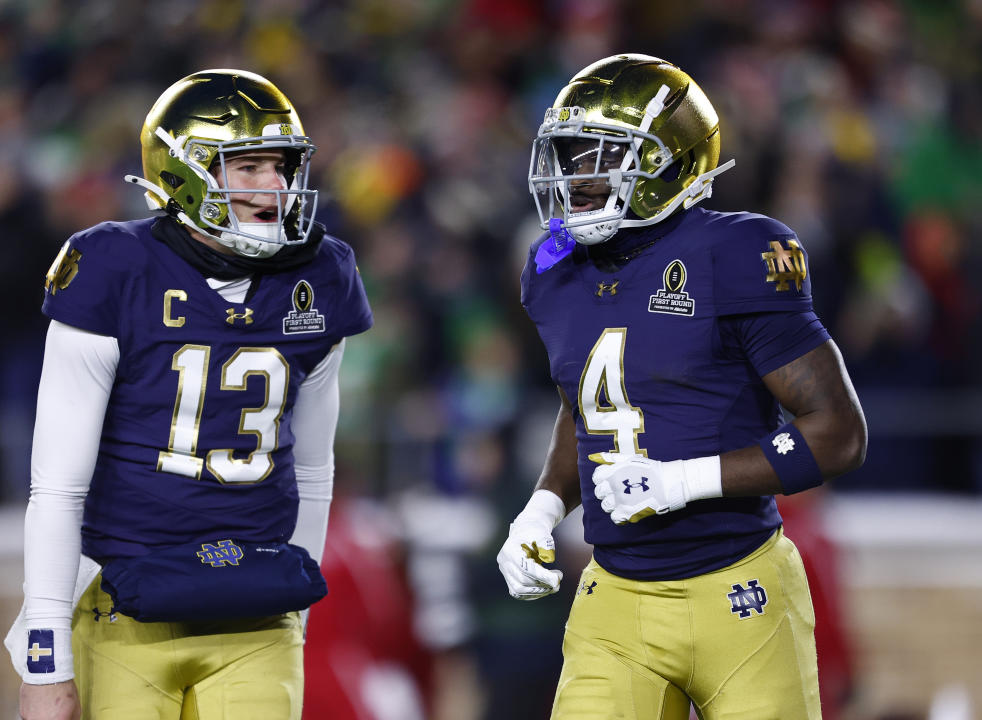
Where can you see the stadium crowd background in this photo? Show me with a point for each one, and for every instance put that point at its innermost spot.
(857, 123)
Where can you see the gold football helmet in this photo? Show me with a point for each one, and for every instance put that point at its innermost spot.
(187, 136)
(628, 133)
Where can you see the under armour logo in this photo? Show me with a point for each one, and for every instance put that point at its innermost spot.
(588, 588)
(603, 287)
(233, 316)
(784, 443)
(746, 599)
(220, 554)
(111, 614)
(643, 484)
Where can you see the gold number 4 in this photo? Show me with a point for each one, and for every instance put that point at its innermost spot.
(603, 400)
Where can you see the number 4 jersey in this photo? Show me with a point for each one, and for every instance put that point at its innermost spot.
(196, 438)
(663, 355)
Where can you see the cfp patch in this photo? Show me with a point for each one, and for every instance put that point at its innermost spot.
(785, 265)
(744, 601)
(304, 317)
(40, 651)
(672, 298)
(220, 554)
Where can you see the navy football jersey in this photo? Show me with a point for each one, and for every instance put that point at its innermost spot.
(650, 365)
(196, 441)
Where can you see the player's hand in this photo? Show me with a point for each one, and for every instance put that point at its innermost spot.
(631, 487)
(529, 546)
(57, 701)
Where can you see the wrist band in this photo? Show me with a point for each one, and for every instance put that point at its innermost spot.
(49, 656)
(547, 505)
(792, 459)
(702, 478)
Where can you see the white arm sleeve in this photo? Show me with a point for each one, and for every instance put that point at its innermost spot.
(76, 380)
(315, 420)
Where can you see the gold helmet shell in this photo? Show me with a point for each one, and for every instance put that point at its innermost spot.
(661, 122)
(616, 90)
(206, 115)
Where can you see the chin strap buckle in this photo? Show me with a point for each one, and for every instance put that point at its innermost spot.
(702, 188)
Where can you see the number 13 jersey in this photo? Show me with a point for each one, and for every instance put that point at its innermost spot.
(196, 438)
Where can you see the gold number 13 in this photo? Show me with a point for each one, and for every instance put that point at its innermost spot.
(191, 364)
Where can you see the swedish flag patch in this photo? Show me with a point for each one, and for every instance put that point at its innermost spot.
(40, 651)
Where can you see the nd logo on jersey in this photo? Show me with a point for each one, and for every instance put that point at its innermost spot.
(220, 554)
(63, 270)
(785, 265)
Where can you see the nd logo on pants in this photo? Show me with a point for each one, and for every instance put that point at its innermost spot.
(738, 642)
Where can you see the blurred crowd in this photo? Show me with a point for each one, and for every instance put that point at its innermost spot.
(857, 123)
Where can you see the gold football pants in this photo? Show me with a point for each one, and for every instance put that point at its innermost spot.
(224, 670)
(738, 642)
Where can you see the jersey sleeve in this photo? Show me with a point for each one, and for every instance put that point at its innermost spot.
(772, 340)
(349, 294)
(85, 286)
(82, 366)
(760, 265)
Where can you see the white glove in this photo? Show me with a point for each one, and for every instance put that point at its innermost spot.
(631, 487)
(530, 544)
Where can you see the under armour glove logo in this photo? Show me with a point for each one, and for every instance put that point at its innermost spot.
(632, 487)
(642, 483)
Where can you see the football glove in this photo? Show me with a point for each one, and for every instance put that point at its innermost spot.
(631, 487)
(530, 545)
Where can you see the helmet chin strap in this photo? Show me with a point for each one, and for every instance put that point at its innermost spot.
(247, 247)
(271, 235)
(595, 233)
(255, 248)
(698, 190)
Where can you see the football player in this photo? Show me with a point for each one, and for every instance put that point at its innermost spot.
(186, 415)
(674, 334)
